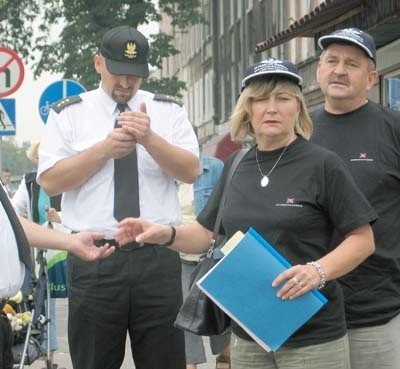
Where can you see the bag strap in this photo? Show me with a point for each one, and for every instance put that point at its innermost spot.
(239, 156)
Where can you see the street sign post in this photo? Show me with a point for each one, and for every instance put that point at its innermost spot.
(56, 91)
(11, 71)
(7, 117)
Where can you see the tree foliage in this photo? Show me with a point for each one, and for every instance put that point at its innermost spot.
(14, 157)
(169, 86)
(61, 36)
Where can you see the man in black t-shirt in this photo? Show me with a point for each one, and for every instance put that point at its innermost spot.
(367, 137)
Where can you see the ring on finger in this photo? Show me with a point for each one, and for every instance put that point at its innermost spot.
(295, 280)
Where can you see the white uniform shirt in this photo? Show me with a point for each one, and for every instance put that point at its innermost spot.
(79, 126)
(20, 201)
(12, 270)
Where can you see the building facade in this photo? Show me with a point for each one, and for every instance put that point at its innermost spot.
(237, 33)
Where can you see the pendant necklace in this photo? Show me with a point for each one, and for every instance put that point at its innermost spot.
(265, 177)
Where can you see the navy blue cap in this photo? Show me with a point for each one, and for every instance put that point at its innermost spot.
(352, 36)
(125, 50)
(271, 68)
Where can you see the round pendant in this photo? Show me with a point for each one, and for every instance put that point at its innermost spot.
(264, 181)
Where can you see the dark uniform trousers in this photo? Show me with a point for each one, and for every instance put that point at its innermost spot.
(137, 291)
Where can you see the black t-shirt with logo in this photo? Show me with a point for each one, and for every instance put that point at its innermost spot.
(309, 195)
(368, 140)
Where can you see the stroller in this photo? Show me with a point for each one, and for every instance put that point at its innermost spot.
(34, 310)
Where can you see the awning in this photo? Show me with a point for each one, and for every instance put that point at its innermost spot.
(327, 14)
(226, 147)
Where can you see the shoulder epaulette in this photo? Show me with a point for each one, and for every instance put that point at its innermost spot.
(167, 98)
(60, 105)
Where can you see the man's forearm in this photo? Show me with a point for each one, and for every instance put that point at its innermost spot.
(179, 163)
(72, 172)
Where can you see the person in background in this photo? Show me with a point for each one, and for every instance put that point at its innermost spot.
(295, 194)
(192, 199)
(367, 136)
(6, 181)
(113, 152)
(16, 235)
(32, 202)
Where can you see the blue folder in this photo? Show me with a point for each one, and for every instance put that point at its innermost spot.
(241, 285)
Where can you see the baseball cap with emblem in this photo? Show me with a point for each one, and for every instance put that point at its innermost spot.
(351, 36)
(125, 51)
(270, 68)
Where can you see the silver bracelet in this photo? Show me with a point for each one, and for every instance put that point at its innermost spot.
(321, 273)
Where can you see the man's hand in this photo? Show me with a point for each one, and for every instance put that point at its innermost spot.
(83, 246)
(52, 215)
(136, 123)
(80, 244)
(118, 143)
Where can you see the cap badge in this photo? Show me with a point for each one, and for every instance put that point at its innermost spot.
(269, 64)
(130, 51)
(351, 33)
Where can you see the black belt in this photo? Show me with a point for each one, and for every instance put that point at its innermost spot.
(125, 248)
(189, 262)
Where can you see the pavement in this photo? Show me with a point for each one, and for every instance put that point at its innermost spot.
(63, 359)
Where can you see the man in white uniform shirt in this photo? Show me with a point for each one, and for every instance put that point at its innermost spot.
(86, 139)
(15, 258)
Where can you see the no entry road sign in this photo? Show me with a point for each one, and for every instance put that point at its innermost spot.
(11, 71)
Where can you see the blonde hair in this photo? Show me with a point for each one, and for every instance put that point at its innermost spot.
(33, 151)
(240, 119)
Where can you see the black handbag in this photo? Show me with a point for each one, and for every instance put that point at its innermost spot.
(198, 313)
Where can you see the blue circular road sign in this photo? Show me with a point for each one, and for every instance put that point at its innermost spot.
(55, 92)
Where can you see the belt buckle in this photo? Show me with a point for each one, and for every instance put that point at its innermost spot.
(130, 246)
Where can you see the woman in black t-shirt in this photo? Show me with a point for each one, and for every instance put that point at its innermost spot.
(295, 194)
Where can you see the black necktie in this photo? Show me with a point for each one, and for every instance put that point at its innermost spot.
(24, 250)
(126, 185)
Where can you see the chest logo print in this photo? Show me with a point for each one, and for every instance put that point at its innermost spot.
(290, 202)
(362, 156)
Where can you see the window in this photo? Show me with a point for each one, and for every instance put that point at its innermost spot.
(208, 96)
(391, 90)
(234, 89)
(232, 13)
(222, 87)
(250, 33)
(239, 8)
(208, 15)
(221, 17)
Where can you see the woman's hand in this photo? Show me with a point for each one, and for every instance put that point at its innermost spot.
(142, 231)
(298, 280)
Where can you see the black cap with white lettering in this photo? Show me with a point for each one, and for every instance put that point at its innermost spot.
(270, 68)
(351, 36)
